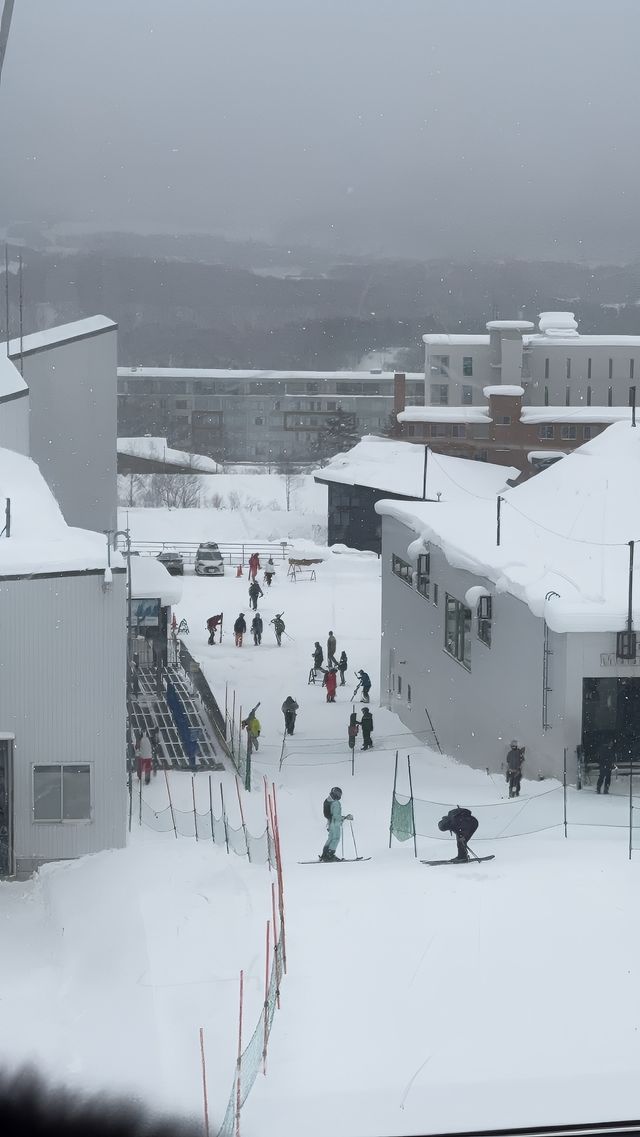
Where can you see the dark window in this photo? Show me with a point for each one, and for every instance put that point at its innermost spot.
(276, 405)
(485, 616)
(586, 433)
(61, 793)
(458, 430)
(546, 432)
(589, 368)
(568, 369)
(588, 396)
(181, 404)
(313, 388)
(439, 364)
(567, 433)
(546, 396)
(409, 694)
(503, 420)
(611, 369)
(434, 594)
(258, 421)
(457, 631)
(401, 569)
(467, 395)
(423, 575)
(439, 394)
(567, 397)
(410, 429)
(467, 365)
(610, 397)
(546, 368)
(399, 684)
(632, 367)
(331, 406)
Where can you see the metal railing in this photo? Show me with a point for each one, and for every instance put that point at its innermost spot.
(231, 553)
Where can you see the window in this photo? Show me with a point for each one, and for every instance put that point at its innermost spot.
(331, 406)
(610, 397)
(485, 616)
(632, 396)
(258, 421)
(61, 793)
(568, 368)
(399, 685)
(181, 404)
(546, 396)
(503, 420)
(467, 365)
(567, 433)
(423, 575)
(401, 569)
(546, 368)
(457, 631)
(434, 594)
(439, 364)
(567, 397)
(588, 396)
(589, 368)
(611, 369)
(632, 367)
(467, 395)
(439, 394)
(586, 433)
(458, 430)
(409, 694)
(313, 388)
(546, 432)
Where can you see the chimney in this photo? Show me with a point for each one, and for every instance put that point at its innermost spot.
(399, 392)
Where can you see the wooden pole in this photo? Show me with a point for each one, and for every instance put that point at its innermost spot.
(276, 945)
(226, 708)
(239, 1066)
(413, 816)
(173, 816)
(393, 799)
(564, 790)
(499, 503)
(244, 827)
(204, 1084)
(193, 798)
(224, 818)
(213, 832)
(266, 1002)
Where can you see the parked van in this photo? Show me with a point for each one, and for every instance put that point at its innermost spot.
(209, 560)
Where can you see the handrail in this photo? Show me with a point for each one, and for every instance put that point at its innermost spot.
(230, 549)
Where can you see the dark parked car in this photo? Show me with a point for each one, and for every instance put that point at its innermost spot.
(173, 562)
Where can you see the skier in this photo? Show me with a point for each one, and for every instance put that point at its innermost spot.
(331, 650)
(365, 683)
(144, 752)
(342, 667)
(463, 824)
(318, 657)
(256, 628)
(289, 710)
(515, 760)
(278, 627)
(254, 565)
(330, 681)
(213, 623)
(239, 628)
(269, 572)
(605, 766)
(254, 592)
(353, 729)
(332, 810)
(252, 726)
(366, 723)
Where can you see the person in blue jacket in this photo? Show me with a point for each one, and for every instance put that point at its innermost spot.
(332, 810)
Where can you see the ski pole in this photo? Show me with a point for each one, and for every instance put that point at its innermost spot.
(354, 839)
(475, 857)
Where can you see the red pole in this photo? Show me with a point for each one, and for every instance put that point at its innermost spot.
(244, 827)
(166, 778)
(193, 798)
(266, 1002)
(275, 943)
(204, 1084)
(239, 1067)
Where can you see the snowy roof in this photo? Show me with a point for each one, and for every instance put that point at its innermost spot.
(444, 414)
(566, 530)
(256, 376)
(503, 389)
(11, 382)
(576, 414)
(41, 541)
(564, 339)
(510, 325)
(63, 333)
(151, 581)
(157, 449)
(438, 339)
(398, 467)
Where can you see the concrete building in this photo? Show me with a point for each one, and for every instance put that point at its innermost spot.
(523, 632)
(263, 416)
(70, 373)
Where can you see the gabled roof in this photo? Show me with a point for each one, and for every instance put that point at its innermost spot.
(566, 531)
(157, 450)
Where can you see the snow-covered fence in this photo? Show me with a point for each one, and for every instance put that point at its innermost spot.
(232, 552)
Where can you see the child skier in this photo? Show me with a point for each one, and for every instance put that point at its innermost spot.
(332, 810)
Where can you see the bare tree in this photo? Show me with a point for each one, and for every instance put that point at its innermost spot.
(131, 489)
(173, 491)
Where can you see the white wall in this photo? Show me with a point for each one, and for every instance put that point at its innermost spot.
(14, 423)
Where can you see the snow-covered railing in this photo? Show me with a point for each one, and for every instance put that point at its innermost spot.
(237, 553)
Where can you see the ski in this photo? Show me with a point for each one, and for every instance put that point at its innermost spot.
(338, 861)
(471, 861)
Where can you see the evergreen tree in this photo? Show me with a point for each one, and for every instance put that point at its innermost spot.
(339, 433)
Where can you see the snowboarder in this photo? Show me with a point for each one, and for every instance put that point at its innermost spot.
(289, 710)
(256, 628)
(515, 760)
(330, 681)
(213, 623)
(331, 650)
(278, 627)
(342, 667)
(269, 572)
(252, 726)
(332, 810)
(463, 824)
(353, 729)
(254, 592)
(605, 766)
(144, 752)
(365, 683)
(239, 628)
(366, 723)
(254, 565)
(318, 657)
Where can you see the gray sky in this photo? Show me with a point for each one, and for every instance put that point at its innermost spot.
(418, 127)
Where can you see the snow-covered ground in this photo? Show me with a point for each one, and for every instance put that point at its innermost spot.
(416, 999)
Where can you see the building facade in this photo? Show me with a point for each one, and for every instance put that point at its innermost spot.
(255, 416)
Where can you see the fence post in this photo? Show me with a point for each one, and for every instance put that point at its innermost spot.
(413, 816)
(224, 819)
(280, 879)
(244, 827)
(193, 798)
(276, 945)
(204, 1084)
(393, 799)
(239, 1066)
(173, 817)
(213, 833)
(266, 1003)
(564, 790)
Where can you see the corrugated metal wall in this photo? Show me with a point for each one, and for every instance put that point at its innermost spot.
(63, 693)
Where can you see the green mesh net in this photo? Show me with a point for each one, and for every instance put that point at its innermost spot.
(402, 826)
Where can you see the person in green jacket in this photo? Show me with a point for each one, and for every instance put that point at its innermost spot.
(333, 813)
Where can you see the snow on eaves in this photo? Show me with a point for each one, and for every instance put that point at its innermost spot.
(444, 414)
(158, 449)
(510, 389)
(61, 334)
(258, 376)
(567, 531)
(150, 580)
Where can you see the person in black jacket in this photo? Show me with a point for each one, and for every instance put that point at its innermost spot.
(461, 822)
(254, 592)
(515, 762)
(342, 666)
(239, 629)
(605, 766)
(256, 628)
(318, 657)
(366, 722)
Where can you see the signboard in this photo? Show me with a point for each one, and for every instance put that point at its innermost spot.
(146, 613)
(610, 659)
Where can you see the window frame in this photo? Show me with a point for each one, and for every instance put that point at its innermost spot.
(546, 432)
(484, 620)
(423, 575)
(565, 432)
(443, 395)
(61, 767)
(458, 646)
(467, 395)
(440, 365)
(403, 573)
(467, 366)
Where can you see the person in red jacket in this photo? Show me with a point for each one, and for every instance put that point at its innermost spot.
(330, 681)
(254, 566)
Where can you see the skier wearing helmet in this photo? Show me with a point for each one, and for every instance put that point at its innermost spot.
(332, 810)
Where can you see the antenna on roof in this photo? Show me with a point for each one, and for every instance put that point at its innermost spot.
(632, 401)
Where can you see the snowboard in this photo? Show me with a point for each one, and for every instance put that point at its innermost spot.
(471, 861)
(338, 861)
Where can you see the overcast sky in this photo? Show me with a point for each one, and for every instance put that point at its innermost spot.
(418, 127)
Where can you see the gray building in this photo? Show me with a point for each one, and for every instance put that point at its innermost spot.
(70, 372)
(554, 363)
(526, 638)
(262, 416)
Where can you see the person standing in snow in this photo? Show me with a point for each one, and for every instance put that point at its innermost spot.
(239, 629)
(252, 726)
(213, 623)
(605, 767)
(461, 822)
(364, 682)
(254, 565)
(332, 810)
(289, 710)
(515, 761)
(318, 657)
(342, 667)
(366, 723)
(144, 754)
(254, 592)
(278, 627)
(352, 730)
(269, 572)
(256, 628)
(330, 681)
(331, 650)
